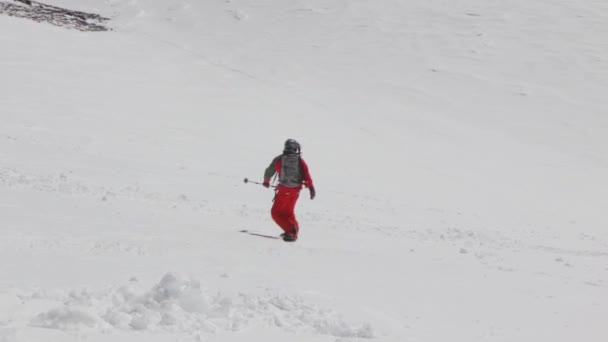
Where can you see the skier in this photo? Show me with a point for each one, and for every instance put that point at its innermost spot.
(293, 173)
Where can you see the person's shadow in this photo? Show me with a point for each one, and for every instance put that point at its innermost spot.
(258, 234)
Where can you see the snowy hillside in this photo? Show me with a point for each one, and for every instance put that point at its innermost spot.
(459, 151)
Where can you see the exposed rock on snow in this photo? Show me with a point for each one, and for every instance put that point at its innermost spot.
(54, 15)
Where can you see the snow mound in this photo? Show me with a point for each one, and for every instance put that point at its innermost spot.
(182, 305)
(65, 319)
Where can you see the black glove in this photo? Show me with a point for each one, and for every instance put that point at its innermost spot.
(313, 193)
(266, 185)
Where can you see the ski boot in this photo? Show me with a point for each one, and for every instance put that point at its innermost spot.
(291, 236)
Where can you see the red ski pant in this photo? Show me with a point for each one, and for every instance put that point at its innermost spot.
(283, 208)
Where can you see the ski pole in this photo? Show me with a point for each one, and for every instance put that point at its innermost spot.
(246, 180)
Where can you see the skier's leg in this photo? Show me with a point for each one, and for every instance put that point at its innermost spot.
(279, 211)
(290, 211)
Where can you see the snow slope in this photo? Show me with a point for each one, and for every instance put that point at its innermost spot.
(459, 150)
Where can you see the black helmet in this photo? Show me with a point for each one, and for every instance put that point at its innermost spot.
(291, 147)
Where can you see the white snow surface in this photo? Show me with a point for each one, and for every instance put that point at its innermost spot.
(459, 150)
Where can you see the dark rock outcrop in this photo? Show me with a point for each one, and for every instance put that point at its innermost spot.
(58, 16)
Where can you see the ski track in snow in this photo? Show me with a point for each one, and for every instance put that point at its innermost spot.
(61, 183)
(492, 248)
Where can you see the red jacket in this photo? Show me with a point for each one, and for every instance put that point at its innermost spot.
(300, 176)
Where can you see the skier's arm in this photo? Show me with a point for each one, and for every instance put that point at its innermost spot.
(271, 170)
(307, 179)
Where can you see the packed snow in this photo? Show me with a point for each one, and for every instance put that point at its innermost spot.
(459, 150)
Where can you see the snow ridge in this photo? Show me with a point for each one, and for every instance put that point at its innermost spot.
(181, 305)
